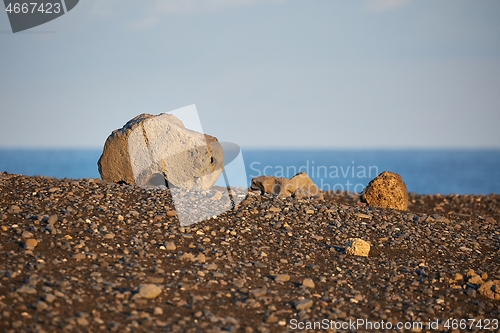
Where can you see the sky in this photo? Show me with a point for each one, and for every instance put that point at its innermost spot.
(315, 74)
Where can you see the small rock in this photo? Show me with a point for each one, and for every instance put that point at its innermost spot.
(170, 246)
(30, 244)
(211, 267)
(272, 319)
(309, 283)
(239, 283)
(82, 321)
(303, 304)
(476, 279)
(187, 257)
(258, 292)
(491, 289)
(201, 258)
(12, 209)
(357, 247)
(79, 256)
(471, 273)
(282, 278)
(26, 290)
(109, 236)
(49, 298)
(149, 291)
(26, 234)
(158, 311)
(41, 305)
(52, 219)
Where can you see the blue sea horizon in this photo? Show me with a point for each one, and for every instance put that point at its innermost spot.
(445, 171)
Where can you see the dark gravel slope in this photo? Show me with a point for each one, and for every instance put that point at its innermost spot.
(89, 256)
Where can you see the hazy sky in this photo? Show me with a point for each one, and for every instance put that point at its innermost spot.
(262, 73)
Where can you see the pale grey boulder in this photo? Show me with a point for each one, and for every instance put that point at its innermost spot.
(149, 150)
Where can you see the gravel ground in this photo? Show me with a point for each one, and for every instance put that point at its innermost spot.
(89, 256)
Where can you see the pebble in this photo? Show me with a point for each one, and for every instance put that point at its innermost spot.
(52, 219)
(149, 291)
(82, 321)
(27, 290)
(282, 278)
(30, 244)
(259, 292)
(50, 298)
(357, 247)
(170, 246)
(476, 279)
(40, 306)
(171, 213)
(303, 304)
(13, 209)
(79, 256)
(309, 283)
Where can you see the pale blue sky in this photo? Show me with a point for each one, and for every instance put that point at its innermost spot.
(262, 73)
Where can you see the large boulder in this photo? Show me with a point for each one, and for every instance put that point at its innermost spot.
(299, 186)
(150, 150)
(387, 190)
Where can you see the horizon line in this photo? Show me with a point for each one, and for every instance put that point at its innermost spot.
(275, 148)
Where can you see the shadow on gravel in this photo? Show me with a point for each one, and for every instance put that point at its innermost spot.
(339, 249)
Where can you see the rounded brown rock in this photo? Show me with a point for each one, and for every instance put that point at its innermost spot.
(387, 190)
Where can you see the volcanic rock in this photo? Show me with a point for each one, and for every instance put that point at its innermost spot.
(387, 190)
(491, 289)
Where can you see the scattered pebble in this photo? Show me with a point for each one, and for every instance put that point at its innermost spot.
(282, 278)
(149, 291)
(357, 247)
(30, 244)
(309, 283)
(303, 304)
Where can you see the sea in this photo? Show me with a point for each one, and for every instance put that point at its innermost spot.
(423, 171)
